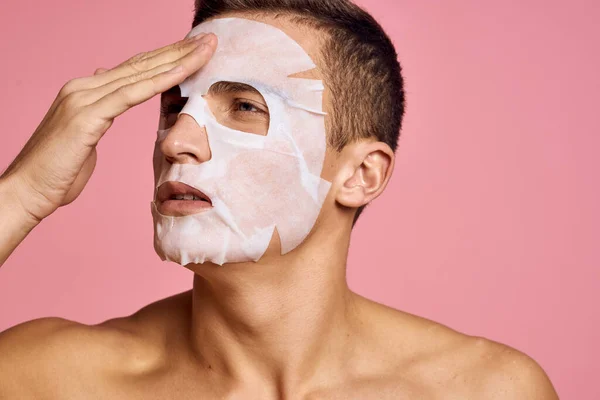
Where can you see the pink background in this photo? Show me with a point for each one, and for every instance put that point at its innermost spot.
(490, 224)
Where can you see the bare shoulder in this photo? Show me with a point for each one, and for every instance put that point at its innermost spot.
(55, 357)
(440, 360)
(507, 373)
(35, 353)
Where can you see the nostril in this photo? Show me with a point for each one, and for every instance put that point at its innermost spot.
(183, 158)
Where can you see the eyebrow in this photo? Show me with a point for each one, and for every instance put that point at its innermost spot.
(231, 87)
(173, 95)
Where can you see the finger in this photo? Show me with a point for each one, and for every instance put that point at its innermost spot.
(183, 41)
(103, 76)
(165, 53)
(189, 62)
(191, 39)
(125, 97)
(147, 61)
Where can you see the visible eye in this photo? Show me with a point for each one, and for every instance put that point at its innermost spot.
(245, 106)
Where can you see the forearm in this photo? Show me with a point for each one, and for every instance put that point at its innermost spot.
(15, 222)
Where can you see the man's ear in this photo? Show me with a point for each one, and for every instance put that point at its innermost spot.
(366, 170)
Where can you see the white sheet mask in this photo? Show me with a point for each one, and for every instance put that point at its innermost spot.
(256, 183)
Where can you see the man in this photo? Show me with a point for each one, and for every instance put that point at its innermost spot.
(270, 315)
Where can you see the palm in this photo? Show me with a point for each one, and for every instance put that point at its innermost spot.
(82, 178)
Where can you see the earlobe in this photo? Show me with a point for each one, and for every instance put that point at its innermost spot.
(369, 170)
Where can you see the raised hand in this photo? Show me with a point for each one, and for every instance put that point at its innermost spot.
(60, 157)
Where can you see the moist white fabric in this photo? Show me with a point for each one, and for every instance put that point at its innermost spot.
(257, 184)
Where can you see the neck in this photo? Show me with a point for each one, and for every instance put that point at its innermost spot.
(283, 320)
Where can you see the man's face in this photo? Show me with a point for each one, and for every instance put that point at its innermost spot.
(240, 150)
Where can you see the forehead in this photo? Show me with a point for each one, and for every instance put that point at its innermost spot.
(260, 55)
(302, 35)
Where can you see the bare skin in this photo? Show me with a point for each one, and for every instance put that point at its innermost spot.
(287, 327)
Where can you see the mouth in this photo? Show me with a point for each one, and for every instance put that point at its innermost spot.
(177, 199)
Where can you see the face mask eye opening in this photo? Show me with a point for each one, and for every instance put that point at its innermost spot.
(239, 106)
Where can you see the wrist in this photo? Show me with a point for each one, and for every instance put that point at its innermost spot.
(12, 206)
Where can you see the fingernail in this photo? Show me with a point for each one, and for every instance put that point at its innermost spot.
(200, 36)
(207, 39)
(191, 39)
(201, 48)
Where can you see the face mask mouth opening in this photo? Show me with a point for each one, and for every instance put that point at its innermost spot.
(177, 191)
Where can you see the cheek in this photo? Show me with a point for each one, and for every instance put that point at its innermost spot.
(264, 188)
(157, 162)
(330, 165)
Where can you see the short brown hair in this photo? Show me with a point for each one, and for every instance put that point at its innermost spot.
(361, 67)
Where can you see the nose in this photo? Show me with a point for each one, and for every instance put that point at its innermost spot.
(186, 142)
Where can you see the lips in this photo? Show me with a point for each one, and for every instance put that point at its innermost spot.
(178, 199)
